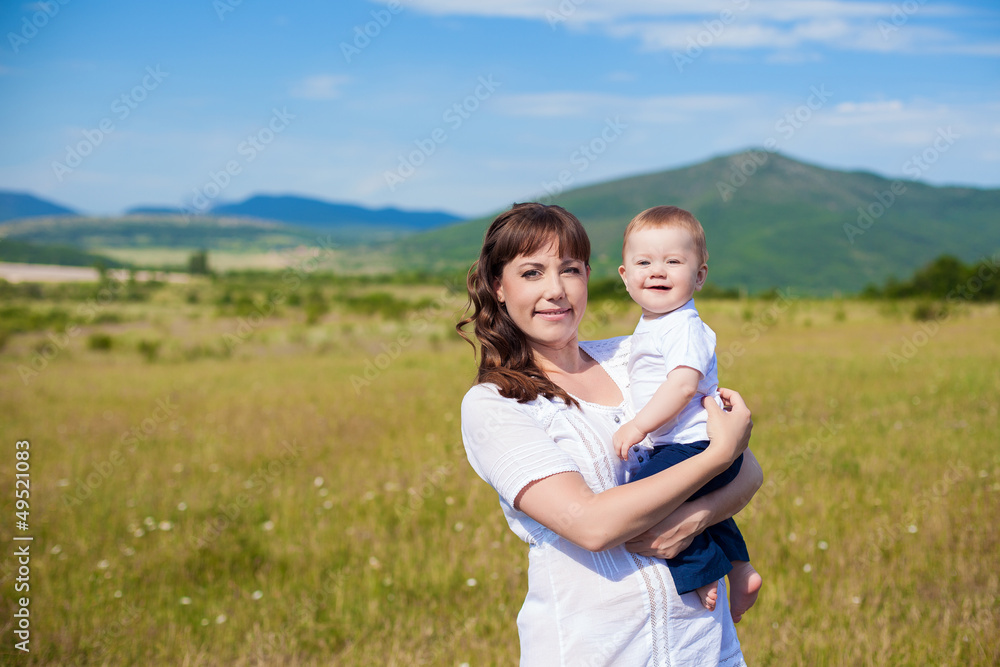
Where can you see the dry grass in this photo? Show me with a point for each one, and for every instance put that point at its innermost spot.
(280, 506)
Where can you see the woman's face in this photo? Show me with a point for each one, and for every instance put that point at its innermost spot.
(545, 295)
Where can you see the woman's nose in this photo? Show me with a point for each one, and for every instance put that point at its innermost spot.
(554, 288)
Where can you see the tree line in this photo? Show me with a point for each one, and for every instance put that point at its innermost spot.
(947, 277)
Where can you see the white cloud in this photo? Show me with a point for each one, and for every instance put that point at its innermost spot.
(693, 37)
(612, 10)
(738, 24)
(793, 58)
(990, 49)
(319, 87)
(885, 125)
(868, 107)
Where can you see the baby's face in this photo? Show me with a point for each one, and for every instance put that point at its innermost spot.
(662, 269)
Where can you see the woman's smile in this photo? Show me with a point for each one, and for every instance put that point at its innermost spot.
(553, 314)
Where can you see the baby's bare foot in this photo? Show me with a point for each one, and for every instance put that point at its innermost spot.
(709, 595)
(744, 584)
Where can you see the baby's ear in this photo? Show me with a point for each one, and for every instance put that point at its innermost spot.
(702, 275)
(621, 272)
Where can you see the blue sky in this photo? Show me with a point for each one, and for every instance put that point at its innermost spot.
(468, 106)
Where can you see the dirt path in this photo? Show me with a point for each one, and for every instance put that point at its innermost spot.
(50, 273)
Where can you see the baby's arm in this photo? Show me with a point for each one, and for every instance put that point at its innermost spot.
(667, 402)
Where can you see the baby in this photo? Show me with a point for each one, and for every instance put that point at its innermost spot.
(671, 368)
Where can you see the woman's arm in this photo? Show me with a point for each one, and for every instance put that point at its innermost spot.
(597, 521)
(675, 533)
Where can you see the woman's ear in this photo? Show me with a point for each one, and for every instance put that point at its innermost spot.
(498, 290)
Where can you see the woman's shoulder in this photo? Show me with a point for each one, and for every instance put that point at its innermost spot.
(485, 399)
(608, 352)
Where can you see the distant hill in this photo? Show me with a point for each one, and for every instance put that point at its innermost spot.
(154, 210)
(30, 253)
(261, 223)
(309, 212)
(315, 213)
(784, 226)
(164, 231)
(15, 205)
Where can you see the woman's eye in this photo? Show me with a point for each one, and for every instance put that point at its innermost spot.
(572, 269)
(530, 274)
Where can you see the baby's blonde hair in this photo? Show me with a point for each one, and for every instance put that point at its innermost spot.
(669, 216)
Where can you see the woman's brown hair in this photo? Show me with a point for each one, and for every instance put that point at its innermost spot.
(505, 357)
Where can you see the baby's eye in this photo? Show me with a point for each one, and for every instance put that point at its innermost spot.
(673, 261)
(643, 262)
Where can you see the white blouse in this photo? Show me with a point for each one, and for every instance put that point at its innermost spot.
(587, 608)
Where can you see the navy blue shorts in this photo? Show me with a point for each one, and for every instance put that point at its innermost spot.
(710, 555)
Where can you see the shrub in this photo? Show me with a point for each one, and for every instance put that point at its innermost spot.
(21, 319)
(107, 318)
(378, 303)
(316, 306)
(930, 310)
(150, 349)
(101, 342)
(244, 306)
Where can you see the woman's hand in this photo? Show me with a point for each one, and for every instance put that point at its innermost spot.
(729, 429)
(675, 533)
(672, 535)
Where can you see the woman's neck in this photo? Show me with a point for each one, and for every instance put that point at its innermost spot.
(564, 360)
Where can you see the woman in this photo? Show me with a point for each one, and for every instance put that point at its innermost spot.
(537, 427)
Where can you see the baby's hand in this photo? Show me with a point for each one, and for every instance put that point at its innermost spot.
(625, 437)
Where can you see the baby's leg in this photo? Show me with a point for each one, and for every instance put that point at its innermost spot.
(744, 584)
(709, 594)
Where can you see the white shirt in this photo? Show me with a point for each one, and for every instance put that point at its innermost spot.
(587, 608)
(659, 345)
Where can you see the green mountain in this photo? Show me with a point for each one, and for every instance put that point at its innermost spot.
(771, 222)
(30, 253)
(178, 231)
(158, 231)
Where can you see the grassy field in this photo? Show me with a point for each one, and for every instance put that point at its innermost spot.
(217, 486)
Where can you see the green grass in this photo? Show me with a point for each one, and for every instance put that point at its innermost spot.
(301, 497)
